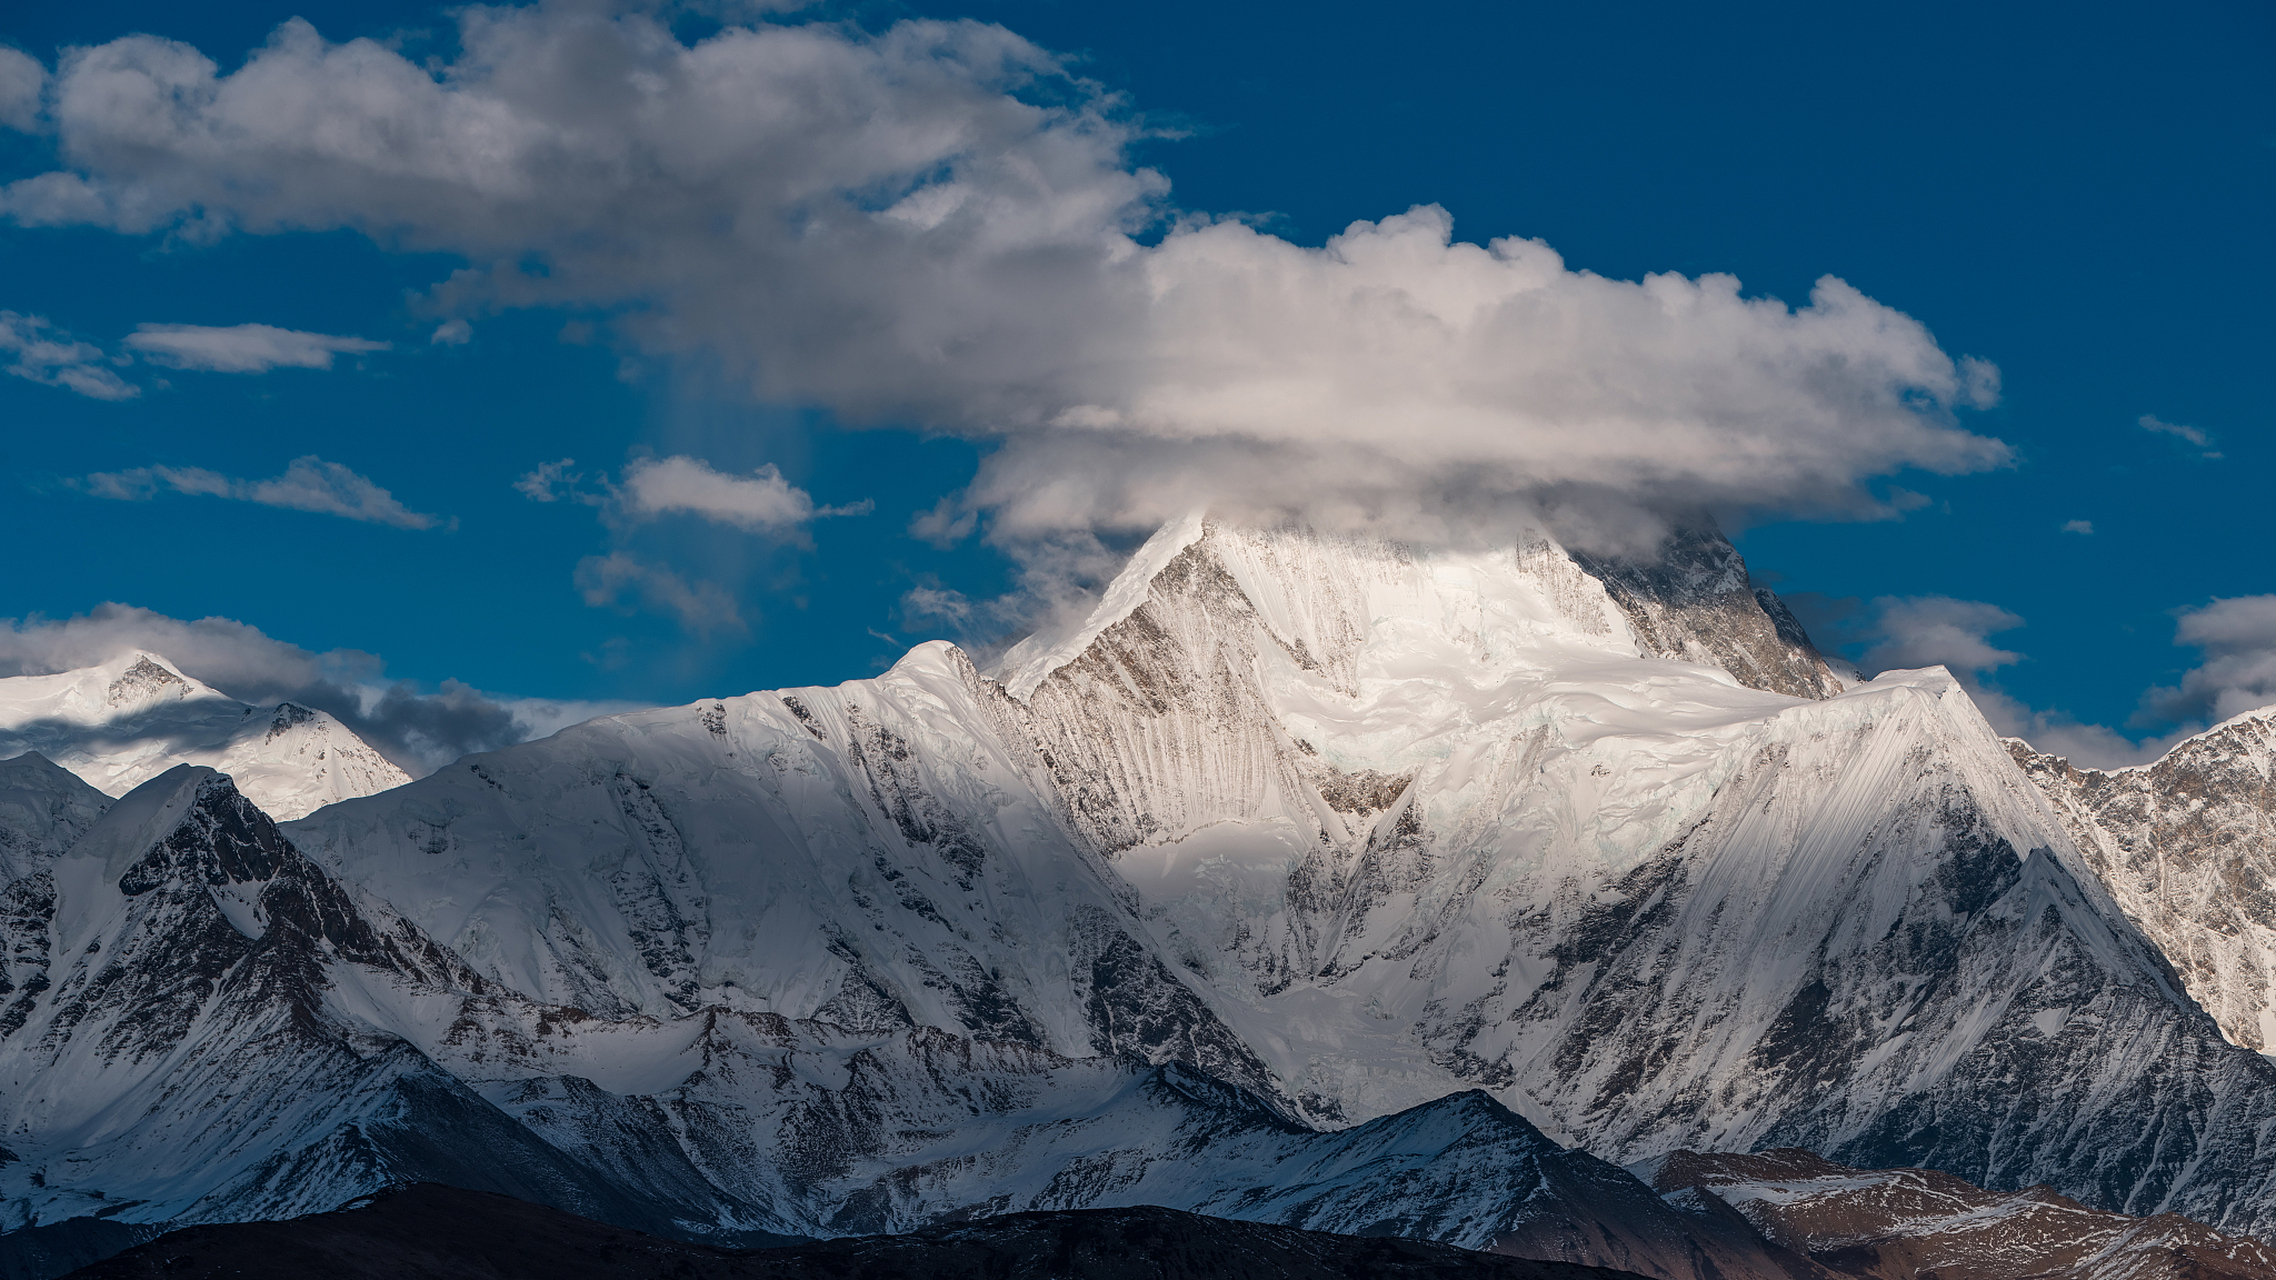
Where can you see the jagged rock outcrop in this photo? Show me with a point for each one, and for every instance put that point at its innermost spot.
(1694, 602)
(2188, 848)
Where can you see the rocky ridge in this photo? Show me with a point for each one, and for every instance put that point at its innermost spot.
(2187, 846)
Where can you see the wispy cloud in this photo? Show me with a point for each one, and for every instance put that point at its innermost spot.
(621, 580)
(760, 501)
(2078, 526)
(2197, 436)
(36, 350)
(308, 484)
(241, 348)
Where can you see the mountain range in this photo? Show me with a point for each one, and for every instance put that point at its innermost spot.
(1311, 880)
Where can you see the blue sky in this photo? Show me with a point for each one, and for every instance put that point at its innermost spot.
(2077, 196)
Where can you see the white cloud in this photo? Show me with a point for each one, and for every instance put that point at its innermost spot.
(241, 348)
(2195, 436)
(1923, 631)
(551, 482)
(761, 501)
(308, 484)
(452, 333)
(2237, 637)
(614, 579)
(2078, 526)
(892, 227)
(21, 79)
(419, 729)
(37, 352)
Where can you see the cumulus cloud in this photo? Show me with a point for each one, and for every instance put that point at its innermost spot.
(760, 501)
(1924, 631)
(2237, 637)
(621, 580)
(938, 225)
(240, 348)
(451, 333)
(419, 729)
(36, 351)
(308, 484)
(21, 79)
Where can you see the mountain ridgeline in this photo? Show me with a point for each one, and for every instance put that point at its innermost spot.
(1312, 881)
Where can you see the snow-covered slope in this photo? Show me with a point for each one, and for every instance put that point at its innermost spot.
(121, 723)
(44, 809)
(2188, 848)
(207, 1027)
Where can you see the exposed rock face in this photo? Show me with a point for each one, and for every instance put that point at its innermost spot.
(1695, 604)
(1902, 1224)
(2188, 848)
(124, 722)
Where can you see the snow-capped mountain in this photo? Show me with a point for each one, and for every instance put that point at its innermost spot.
(1358, 826)
(1311, 879)
(127, 720)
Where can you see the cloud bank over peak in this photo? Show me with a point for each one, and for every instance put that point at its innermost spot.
(938, 225)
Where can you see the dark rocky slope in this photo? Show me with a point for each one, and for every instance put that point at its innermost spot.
(441, 1233)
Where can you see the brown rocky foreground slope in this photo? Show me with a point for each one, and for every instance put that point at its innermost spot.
(1912, 1224)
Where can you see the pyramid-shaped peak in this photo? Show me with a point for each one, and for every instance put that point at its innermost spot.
(145, 678)
(1319, 591)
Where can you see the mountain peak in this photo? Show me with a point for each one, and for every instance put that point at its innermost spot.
(126, 720)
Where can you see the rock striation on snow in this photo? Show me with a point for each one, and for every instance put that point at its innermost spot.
(1312, 879)
(125, 721)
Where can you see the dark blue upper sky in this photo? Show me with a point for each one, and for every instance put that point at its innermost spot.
(2079, 194)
